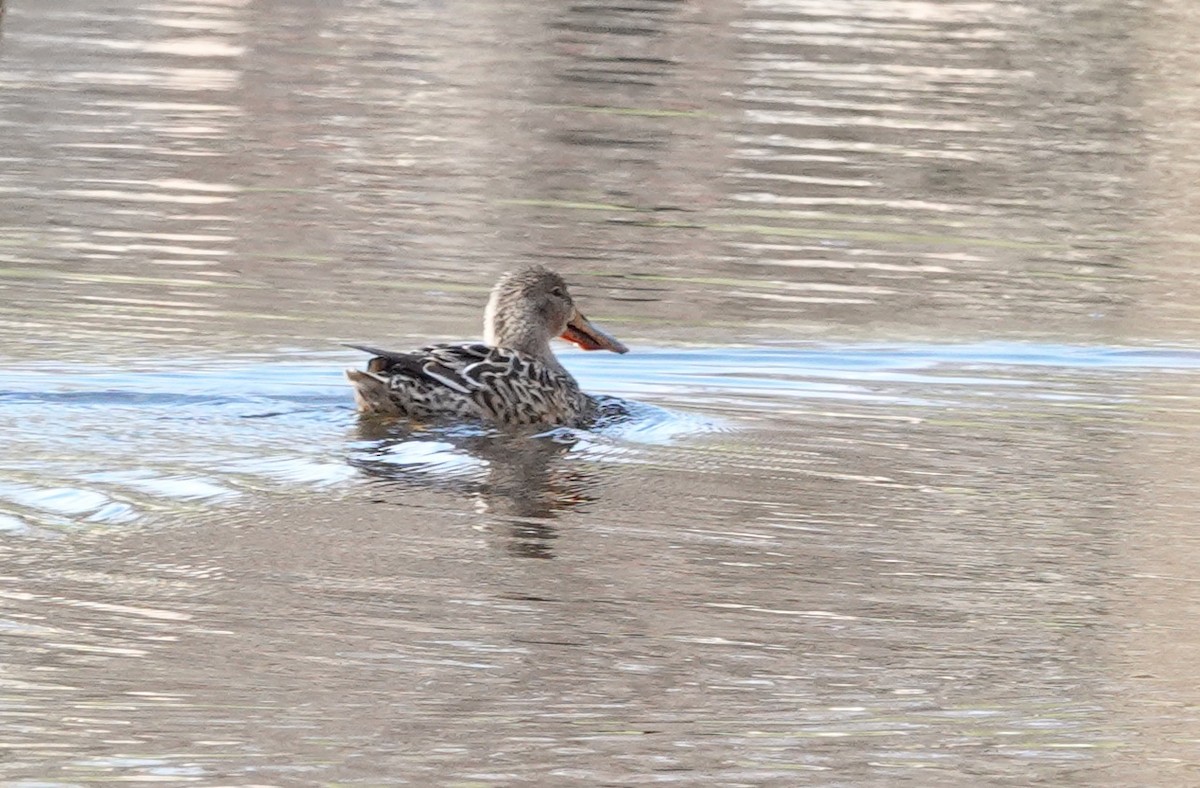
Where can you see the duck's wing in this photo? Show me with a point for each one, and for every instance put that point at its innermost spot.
(504, 385)
(451, 366)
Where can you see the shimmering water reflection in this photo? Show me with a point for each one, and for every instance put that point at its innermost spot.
(222, 429)
(906, 493)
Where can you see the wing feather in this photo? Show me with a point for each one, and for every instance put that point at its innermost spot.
(504, 385)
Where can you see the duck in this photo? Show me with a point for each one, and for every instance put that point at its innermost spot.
(510, 380)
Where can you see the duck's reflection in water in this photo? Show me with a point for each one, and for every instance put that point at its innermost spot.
(523, 481)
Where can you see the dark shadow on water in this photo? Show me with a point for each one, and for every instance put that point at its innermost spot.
(524, 481)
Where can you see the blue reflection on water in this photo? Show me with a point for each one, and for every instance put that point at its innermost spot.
(104, 444)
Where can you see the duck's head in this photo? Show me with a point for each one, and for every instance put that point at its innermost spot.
(531, 306)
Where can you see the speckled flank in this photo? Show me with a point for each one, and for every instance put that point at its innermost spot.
(472, 382)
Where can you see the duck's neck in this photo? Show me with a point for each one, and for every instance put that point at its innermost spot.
(520, 335)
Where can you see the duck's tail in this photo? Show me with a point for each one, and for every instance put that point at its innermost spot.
(371, 392)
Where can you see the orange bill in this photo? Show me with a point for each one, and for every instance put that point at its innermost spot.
(584, 333)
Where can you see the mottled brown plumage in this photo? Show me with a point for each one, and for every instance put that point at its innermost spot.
(513, 380)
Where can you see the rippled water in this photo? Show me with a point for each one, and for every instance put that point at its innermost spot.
(907, 495)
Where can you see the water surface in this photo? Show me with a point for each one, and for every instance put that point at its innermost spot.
(906, 495)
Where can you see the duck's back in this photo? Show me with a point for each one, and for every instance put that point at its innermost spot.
(471, 382)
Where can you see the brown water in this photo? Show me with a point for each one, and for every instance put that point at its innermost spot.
(910, 492)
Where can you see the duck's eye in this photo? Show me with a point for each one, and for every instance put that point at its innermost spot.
(558, 291)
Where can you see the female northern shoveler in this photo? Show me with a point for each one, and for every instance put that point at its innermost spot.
(512, 380)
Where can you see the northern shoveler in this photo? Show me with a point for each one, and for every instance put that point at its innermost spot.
(512, 379)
